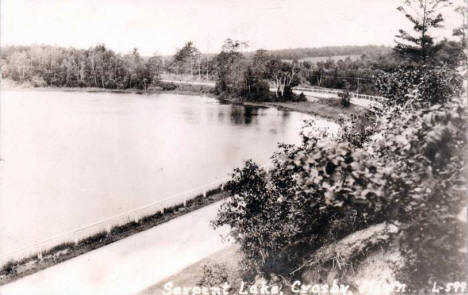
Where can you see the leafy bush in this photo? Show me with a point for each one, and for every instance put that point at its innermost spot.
(315, 194)
(254, 88)
(302, 97)
(167, 86)
(419, 85)
(345, 97)
(424, 149)
(357, 130)
(213, 275)
(37, 81)
(409, 173)
(9, 268)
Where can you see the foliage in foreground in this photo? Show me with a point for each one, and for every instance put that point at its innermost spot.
(422, 85)
(410, 173)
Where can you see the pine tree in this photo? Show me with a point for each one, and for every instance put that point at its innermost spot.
(425, 16)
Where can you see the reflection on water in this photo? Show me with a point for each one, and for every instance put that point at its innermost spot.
(70, 159)
(243, 115)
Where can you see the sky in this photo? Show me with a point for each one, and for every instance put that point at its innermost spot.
(162, 26)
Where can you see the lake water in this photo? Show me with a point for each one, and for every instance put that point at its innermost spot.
(69, 159)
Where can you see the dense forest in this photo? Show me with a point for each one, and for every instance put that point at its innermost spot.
(328, 51)
(245, 74)
(43, 65)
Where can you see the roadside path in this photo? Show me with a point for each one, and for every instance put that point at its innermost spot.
(311, 94)
(132, 264)
(204, 83)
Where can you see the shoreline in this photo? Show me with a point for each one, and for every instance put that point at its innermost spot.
(107, 90)
(328, 109)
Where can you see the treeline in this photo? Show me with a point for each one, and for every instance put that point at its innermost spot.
(189, 60)
(328, 51)
(251, 75)
(42, 65)
(355, 75)
(251, 78)
(248, 75)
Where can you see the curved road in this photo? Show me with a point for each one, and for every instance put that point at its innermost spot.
(309, 93)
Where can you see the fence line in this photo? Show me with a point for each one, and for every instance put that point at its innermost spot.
(106, 224)
(337, 91)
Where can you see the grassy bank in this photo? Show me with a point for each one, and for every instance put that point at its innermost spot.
(328, 108)
(14, 270)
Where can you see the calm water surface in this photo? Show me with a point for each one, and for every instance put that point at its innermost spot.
(69, 159)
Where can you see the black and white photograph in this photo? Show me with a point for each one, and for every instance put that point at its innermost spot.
(233, 147)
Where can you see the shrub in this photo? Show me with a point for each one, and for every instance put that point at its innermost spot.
(345, 98)
(213, 275)
(410, 173)
(419, 85)
(9, 268)
(167, 86)
(255, 90)
(423, 151)
(37, 81)
(302, 97)
(357, 130)
(315, 194)
(288, 94)
(94, 239)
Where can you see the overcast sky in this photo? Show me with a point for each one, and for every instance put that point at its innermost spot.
(163, 25)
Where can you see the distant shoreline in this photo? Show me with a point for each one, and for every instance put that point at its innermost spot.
(325, 108)
(105, 90)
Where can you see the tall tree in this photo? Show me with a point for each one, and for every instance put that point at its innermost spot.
(230, 67)
(260, 61)
(187, 59)
(283, 75)
(425, 16)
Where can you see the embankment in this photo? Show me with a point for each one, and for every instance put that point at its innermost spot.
(16, 269)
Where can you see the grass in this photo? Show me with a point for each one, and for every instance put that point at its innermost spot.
(13, 270)
(328, 108)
